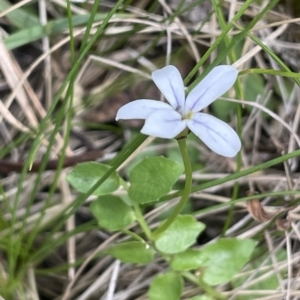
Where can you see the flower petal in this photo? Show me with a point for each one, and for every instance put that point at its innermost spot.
(140, 109)
(218, 81)
(169, 82)
(164, 124)
(217, 135)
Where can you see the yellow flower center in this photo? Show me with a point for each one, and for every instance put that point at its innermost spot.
(188, 116)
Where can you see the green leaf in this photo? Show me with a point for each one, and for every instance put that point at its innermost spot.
(255, 86)
(85, 175)
(267, 282)
(167, 286)
(223, 109)
(188, 260)
(225, 258)
(132, 252)
(140, 157)
(203, 297)
(180, 235)
(112, 213)
(153, 178)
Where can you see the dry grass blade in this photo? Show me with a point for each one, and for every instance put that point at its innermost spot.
(13, 73)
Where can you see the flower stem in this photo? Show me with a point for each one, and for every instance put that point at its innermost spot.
(186, 191)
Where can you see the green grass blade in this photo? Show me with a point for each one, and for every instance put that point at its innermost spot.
(37, 32)
(21, 17)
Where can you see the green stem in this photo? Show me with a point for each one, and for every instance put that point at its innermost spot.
(236, 187)
(138, 213)
(186, 191)
(141, 220)
(207, 288)
(133, 235)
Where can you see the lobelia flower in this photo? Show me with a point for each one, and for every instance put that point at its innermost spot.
(169, 120)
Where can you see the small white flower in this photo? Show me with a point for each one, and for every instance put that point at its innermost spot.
(168, 120)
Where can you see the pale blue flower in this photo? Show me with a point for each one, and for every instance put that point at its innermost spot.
(169, 120)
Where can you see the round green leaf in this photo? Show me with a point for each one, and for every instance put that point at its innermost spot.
(225, 258)
(132, 252)
(112, 213)
(190, 259)
(180, 235)
(85, 175)
(153, 178)
(138, 158)
(167, 286)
